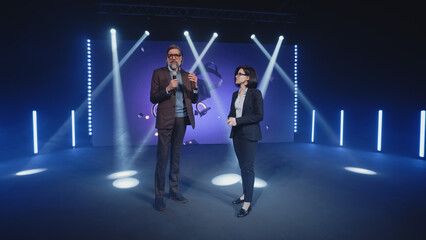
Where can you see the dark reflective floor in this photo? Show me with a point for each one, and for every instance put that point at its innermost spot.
(309, 195)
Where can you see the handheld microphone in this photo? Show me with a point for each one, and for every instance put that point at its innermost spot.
(174, 77)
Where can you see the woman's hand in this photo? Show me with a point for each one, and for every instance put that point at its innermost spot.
(232, 122)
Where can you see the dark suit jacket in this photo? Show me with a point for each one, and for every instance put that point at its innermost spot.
(166, 102)
(252, 115)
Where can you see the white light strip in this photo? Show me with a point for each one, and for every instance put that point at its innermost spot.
(341, 127)
(313, 125)
(379, 132)
(422, 134)
(295, 88)
(35, 132)
(89, 87)
(73, 127)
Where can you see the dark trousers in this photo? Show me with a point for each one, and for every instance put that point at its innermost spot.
(167, 137)
(246, 151)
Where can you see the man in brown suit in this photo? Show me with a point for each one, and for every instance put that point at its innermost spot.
(174, 90)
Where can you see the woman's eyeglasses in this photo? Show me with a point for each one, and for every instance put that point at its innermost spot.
(241, 74)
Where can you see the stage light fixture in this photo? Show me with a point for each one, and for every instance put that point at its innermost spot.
(252, 36)
(313, 126)
(89, 83)
(422, 134)
(112, 31)
(281, 37)
(295, 87)
(73, 128)
(379, 131)
(215, 34)
(341, 126)
(186, 33)
(35, 138)
(147, 33)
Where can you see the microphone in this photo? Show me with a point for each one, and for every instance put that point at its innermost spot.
(174, 77)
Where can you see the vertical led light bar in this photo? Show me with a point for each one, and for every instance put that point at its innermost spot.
(73, 128)
(295, 88)
(422, 134)
(35, 140)
(341, 127)
(379, 132)
(89, 87)
(313, 126)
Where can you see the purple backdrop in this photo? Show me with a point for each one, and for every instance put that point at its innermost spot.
(220, 62)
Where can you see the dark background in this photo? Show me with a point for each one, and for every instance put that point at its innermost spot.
(359, 57)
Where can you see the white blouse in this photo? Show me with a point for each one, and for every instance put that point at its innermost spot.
(239, 104)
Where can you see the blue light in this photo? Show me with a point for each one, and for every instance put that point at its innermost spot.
(89, 82)
(313, 126)
(295, 88)
(35, 140)
(73, 127)
(379, 132)
(422, 134)
(341, 127)
(89, 87)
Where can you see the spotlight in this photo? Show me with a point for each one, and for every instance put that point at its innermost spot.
(215, 34)
(281, 37)
(147, 33)
(112, 31)
(252, 36)
(186, 33)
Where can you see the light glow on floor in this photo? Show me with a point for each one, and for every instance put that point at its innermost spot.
(30, 171)
(125, 183)
(360, 170)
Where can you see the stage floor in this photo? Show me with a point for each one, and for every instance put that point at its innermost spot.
(309, 195)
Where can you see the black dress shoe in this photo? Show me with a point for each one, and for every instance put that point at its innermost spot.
(237, 201)
(159, 204)
(178, 198)
(243, 212)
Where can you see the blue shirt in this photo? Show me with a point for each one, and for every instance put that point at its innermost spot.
(180, 108)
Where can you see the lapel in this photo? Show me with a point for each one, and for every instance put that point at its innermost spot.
(246, 101)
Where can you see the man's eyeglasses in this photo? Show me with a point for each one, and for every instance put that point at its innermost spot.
(241, 74)
(174, 55)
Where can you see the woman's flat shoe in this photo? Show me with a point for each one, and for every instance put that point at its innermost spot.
(237, 201)
(243, 212)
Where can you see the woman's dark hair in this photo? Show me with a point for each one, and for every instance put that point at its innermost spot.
(251, 73)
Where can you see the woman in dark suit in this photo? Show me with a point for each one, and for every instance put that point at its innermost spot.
(244, 117)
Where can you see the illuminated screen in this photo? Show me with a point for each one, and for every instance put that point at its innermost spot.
(213, 107)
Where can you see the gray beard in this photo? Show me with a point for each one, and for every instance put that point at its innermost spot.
(174, 66)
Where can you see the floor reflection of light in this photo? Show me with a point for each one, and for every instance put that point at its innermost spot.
(259, 183)
(30, 171)
(226, 179)
(360, 170)
(125, 183)
(122, 174)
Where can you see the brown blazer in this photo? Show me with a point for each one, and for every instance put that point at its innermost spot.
(166, 102)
